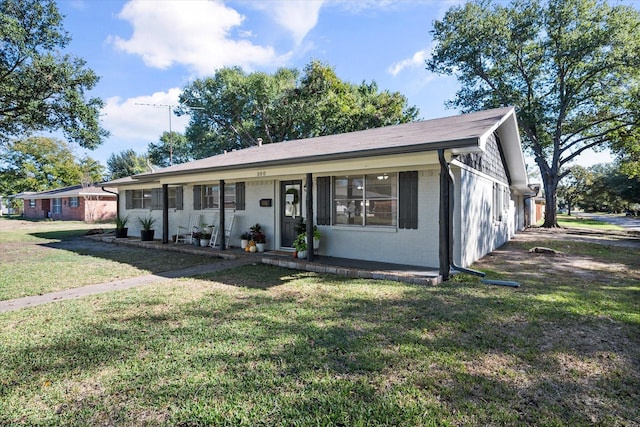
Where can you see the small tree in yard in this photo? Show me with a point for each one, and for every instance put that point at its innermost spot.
(570, 67)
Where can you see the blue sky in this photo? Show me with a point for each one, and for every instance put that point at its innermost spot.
(146, 51)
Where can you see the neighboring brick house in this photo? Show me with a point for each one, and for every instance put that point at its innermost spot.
(76, 203)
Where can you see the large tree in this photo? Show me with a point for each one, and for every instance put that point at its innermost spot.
(570, 67)
(39, 163)
(235, 108)
(126, 163)
(40, 87)
(173, 148)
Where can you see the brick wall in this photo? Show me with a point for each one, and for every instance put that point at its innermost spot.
(91, 210)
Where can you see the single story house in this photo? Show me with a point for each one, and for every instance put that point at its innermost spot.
(436, 193)
(75, 203)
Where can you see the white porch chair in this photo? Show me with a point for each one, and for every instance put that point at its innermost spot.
(185, 234)
(229, 219)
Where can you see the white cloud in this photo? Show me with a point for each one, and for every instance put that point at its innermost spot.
(144, 118)
(197, 34)
(417, 60)
(297, 17)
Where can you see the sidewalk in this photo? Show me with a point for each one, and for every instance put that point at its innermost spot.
(132, 282)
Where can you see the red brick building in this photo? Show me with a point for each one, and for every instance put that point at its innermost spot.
(77, 203)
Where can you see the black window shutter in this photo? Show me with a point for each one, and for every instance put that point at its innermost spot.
(240, 193)
(197, 198)
(408, 200)
(179, 199)
(128, 199)
(323, 204)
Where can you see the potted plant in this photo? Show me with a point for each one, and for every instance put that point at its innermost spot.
(195, 236)
(205, 238)
(258, 236)
(146, 233)
(121, 226)
(301, 228)
(301, 245)
(244, 239)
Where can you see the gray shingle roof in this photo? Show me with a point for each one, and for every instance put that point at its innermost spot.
(461, 131)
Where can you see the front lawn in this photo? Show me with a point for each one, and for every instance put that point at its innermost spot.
(260, 345)
(38, 257)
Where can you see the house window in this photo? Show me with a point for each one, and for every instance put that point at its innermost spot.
(139, 199)
(210, 196)
(366, 200)
(56, 206)
(74, 202)
(32, 203)
(172, 196)
(500, 202)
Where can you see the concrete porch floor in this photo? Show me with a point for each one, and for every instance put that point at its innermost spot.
(321, 264)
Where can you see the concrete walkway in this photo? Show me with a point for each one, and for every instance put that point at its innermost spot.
(31, 301)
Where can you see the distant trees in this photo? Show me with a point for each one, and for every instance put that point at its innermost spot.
(235, 109)
(570, 67)
(41, 88)
(173, 148)
(600, 188)
(39, 163)
(126, 163)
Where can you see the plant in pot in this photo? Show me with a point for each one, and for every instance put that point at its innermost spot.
(205, 238)
(195, 236)
(258, 236)
(147, 231)
(301, 228)
(121, 226)
(301, 246)
(244, 239)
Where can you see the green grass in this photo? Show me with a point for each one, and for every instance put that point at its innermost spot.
(41, 257)
(260, 345)
(573, 221)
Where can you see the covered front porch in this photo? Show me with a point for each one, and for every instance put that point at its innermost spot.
(347, 267)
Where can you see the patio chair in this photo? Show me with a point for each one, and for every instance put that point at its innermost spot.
(185, 233)
(228, 226)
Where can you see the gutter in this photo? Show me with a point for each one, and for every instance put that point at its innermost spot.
(446, 222)
(117, 200)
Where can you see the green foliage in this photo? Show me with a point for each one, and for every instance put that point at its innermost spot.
(121, 221)
(41, 88)
(146, 222)
(126, 163)
(239, 108)
(172, 149)
(570, 67)
(39, 163)
(300, 243)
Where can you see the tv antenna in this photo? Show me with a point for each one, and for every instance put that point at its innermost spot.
(170, 107)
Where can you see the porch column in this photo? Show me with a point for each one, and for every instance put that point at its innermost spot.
(223, 243)
(165, 213)
(445, 225)
(310, 254)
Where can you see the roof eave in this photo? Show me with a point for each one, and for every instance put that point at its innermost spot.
(458, 146)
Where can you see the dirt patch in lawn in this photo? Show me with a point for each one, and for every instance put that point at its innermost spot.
(579, 255)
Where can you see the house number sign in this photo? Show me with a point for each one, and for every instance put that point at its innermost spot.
(262, 173)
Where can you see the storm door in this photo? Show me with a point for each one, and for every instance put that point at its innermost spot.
(290, 211)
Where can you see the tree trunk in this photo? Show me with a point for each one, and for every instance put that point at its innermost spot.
(551, 201)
